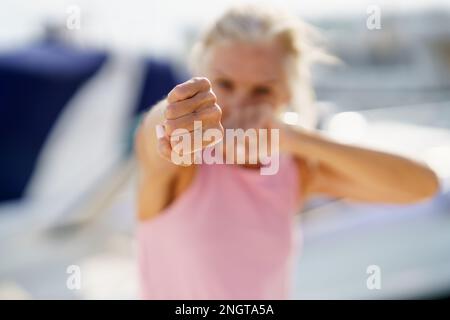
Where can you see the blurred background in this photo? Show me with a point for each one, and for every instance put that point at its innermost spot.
(76, 75)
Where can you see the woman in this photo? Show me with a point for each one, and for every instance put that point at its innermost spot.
(212, 231)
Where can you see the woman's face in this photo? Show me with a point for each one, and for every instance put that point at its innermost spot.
(248, 80)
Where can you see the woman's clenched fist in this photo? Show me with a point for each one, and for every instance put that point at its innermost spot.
(191, 107)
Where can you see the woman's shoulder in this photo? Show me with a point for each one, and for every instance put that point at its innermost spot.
(154, 198)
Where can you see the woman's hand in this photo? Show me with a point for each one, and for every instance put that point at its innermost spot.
(187, 103)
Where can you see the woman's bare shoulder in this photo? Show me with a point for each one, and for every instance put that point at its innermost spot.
(156, 194)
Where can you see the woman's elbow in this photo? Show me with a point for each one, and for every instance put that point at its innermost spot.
(432, 186)
(423, 189)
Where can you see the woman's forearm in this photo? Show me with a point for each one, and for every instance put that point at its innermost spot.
(147, 144)
(401, 178)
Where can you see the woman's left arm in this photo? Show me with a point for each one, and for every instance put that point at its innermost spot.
(357, 173)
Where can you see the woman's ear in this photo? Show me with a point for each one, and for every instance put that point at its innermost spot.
(286, 95)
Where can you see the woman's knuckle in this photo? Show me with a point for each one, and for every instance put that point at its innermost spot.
(202, 81)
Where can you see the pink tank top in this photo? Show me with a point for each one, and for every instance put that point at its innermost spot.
(230, 235)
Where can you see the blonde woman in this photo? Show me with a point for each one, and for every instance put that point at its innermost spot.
(224, 231)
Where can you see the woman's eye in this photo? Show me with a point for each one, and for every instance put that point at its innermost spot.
(261, 90)
(224, 84)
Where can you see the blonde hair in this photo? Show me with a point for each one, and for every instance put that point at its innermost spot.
(256, 23)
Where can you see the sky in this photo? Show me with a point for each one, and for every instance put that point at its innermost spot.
(157, 25)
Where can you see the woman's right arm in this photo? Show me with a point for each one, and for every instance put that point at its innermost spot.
(155, 174)
(190, 101)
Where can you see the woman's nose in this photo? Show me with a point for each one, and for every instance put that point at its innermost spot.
(240, 101)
